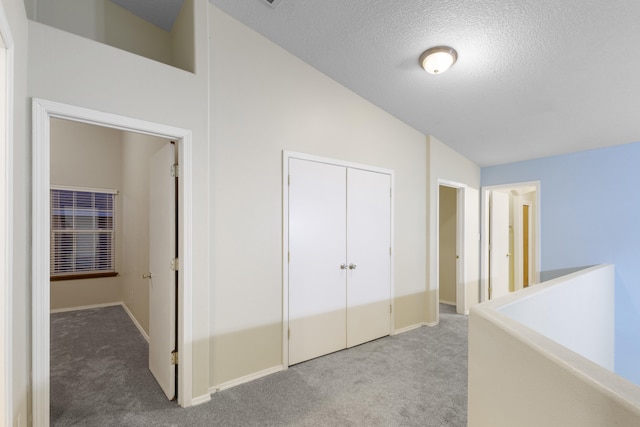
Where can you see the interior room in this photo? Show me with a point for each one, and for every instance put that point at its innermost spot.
(332, 176)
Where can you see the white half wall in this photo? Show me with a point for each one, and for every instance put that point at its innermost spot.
(543, 357)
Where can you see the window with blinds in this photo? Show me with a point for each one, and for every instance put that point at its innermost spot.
(82, 233)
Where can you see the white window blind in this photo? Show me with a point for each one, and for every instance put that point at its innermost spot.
(82, 231)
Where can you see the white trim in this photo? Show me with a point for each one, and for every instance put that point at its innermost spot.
(451, 303)
(246, 379)
(432, 324)
(286, 155)
(6, 231)
(407, 329)
(534, 220)
(43, 111)
(135, 322)
(199, 400)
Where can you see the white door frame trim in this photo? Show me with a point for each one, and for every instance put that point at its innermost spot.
(6, 230)
(43, 111)
(286, 155)
(484, 233)
(461, 279)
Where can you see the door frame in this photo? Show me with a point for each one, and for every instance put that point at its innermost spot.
(534, 218)
(286, 155)
(461, 291)
(42, 112)
(6, 225)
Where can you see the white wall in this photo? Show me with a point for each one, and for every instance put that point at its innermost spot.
(576, 311)
(87, 156)
(544, 356)
(255, 114)
(448, 165)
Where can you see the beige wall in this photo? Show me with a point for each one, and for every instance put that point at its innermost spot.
(447, 244)
(83, 155)
(137, 149)
(255, 114)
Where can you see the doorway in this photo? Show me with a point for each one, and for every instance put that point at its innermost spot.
(43, 112)
(450, 244)
(510, 254)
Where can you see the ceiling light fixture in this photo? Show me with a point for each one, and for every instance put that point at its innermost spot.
(438, 59)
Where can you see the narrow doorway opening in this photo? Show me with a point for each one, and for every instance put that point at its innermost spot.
(447, 245)
(451, 246)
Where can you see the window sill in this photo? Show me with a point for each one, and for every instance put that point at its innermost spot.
(82, 276)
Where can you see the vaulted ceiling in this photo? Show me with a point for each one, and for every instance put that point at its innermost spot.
(534, 78)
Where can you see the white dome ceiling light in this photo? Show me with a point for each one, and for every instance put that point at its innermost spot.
(438, 59)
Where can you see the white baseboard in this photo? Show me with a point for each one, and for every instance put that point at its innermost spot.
(245, 379)
(85, 307)
(431, 324)
(135, 322)
(109, 304)
(448, 303)
(200, 400)
(406, 329)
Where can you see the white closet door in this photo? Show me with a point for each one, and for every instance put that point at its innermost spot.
(317, 236)
(368, 247)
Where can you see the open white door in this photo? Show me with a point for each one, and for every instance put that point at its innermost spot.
(317, 259)
(162, 251)
(499, 244)
(368, 255)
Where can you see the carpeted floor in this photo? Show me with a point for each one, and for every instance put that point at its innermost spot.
(99, 377)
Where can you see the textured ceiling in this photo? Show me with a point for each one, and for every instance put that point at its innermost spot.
(534, 78)
(162, 13)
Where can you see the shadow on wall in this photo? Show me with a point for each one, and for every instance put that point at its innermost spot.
(252, 351)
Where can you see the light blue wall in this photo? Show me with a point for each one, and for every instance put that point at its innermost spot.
(590, 214)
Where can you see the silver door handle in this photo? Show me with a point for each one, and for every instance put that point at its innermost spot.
(146, 275)
(343, 266)
(352, 266)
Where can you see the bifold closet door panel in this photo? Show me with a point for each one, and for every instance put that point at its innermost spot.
(368, 256)
(317, 236)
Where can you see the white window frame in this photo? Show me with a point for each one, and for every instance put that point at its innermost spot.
(75, 273)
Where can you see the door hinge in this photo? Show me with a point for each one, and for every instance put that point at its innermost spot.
(289, 180)
(175, 170)
(174, 357)
(389, 250)
(175, 264)
(390, 308)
